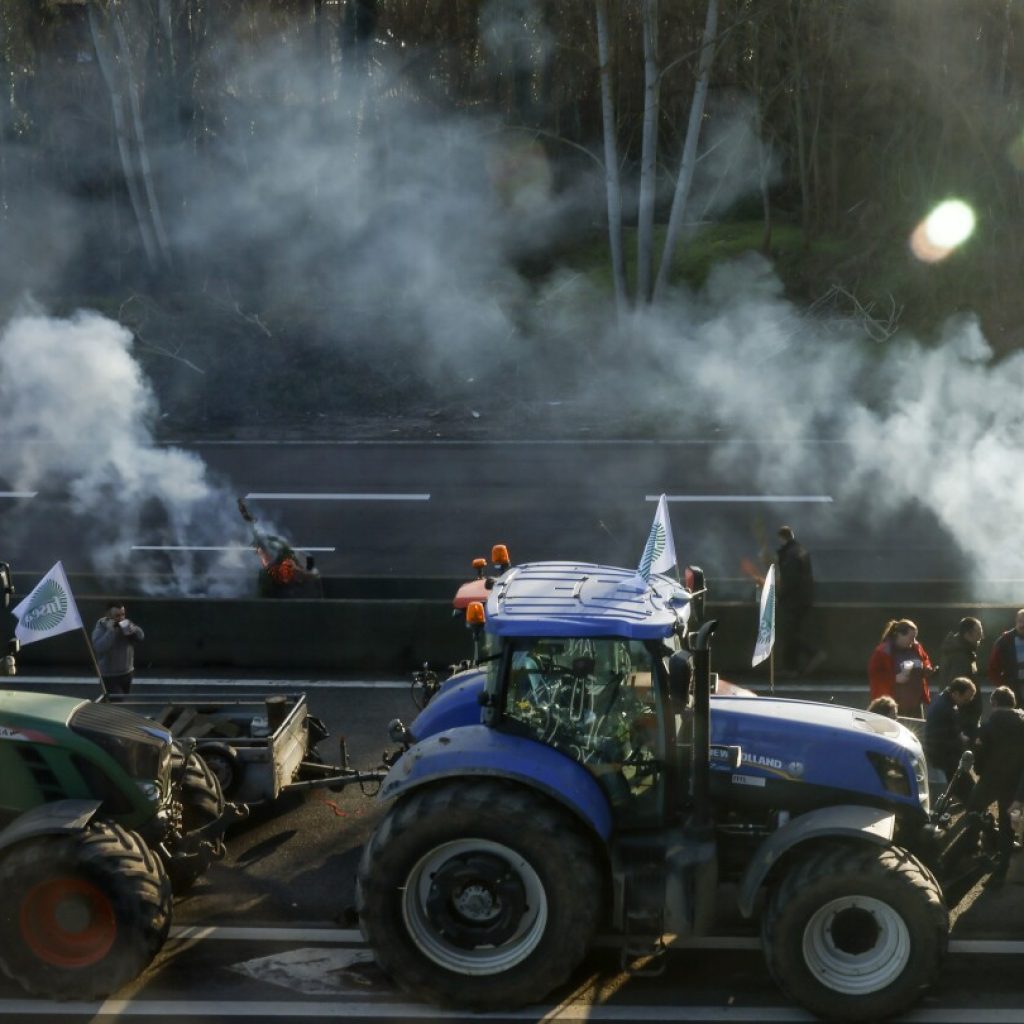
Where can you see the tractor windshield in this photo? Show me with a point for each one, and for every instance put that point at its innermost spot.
(593, 699)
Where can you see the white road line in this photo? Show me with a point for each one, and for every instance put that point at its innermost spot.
(268, 495)
(231, 933)
(18, 494)
(729, 499)
(212, 547)
(332, 936)
(508, 442)
(181, 682)
(420, 1011)
(383, 1010)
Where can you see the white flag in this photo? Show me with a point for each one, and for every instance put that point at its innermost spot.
(766, 619)
(660, 551)
(49, 610)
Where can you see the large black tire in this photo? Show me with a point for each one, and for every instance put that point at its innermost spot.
(856, 932)
(202, 802)
(478, 895)
(82, 914)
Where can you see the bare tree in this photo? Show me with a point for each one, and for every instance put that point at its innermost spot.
(115, 65)
(689, 157)
(648, 152)
(613, 186)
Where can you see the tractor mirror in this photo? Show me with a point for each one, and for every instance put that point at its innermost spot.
(680, 676)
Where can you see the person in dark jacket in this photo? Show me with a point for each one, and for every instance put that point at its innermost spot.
(113, 639)
(1006, 662)
(944, 736)
(999, 763)
(958, 659)
(793, 602)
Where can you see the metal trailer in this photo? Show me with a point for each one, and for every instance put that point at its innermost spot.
(259, 746)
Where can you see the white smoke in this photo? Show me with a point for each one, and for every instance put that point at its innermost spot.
(899, 433)
(78, 417)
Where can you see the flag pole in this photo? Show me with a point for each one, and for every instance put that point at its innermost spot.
(771, 672)
(95, 663)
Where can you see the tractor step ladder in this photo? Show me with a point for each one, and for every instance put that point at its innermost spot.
(643, 945)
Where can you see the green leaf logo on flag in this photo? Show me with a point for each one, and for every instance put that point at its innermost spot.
(765, 627)
(653, 550)
(48, 611)
(48, 608)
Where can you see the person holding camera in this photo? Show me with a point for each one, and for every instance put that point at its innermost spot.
(113, 639)
(899, 667)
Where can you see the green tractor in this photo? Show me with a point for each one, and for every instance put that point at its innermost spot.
(103, 818)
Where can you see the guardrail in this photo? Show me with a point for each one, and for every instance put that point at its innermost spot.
(397, 635)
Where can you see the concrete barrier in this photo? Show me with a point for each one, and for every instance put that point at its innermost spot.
(398, 635)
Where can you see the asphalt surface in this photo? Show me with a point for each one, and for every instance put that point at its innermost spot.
(268, 934)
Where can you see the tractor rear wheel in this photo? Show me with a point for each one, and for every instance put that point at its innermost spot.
(479, 895)
(83, 913)
(856, 932)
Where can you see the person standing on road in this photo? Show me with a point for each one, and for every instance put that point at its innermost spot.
(999, 762)
(113, 639)
(793, 602)
(945, 737)
(958, 659)
(899, 667)
(1006, 662)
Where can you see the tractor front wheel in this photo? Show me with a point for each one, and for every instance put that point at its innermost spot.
(856, 932)
(478, 895)
(83, 913)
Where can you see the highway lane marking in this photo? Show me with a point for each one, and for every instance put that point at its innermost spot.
(382, 1010)
(510, 442)
(268, 495)
(419, 1011)
(332, 936)
(212, 547)
(180, 682)
(727, 499)
(784, 691)
(215, 547)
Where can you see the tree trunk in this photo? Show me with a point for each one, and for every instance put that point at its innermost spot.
(145, 170)
(613, 187)
(689, 158)
(648, 154)
(106, 64)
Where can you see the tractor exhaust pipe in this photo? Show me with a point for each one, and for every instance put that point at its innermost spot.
(700, 771)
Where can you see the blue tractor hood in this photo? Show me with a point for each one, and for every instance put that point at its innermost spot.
(796, 753)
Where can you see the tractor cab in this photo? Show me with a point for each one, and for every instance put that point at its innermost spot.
(583, 667)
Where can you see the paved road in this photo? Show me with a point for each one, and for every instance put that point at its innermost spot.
(405, 508)
(266, 936)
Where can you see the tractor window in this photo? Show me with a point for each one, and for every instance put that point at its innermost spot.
(594, 700)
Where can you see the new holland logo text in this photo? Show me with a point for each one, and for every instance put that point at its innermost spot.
(48, 609)
(763, 761)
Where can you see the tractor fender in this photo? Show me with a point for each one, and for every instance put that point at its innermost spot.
(845, 821)
(59, 817)
(474, 751)
(456, 703)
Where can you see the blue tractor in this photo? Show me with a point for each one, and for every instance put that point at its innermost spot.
(580, 776)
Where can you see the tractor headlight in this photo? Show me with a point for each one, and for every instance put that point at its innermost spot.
(891, 773)
(150, 790)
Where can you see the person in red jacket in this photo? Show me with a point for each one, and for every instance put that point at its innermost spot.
(1006, 662)
(899, 667)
